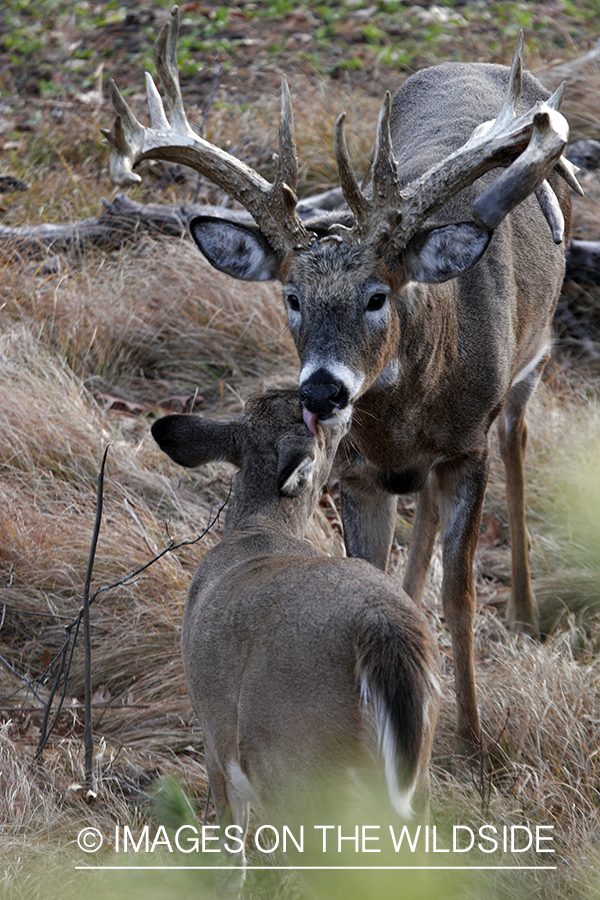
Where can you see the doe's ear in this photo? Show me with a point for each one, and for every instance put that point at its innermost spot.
(241, 251)
(440, 254)
(193, 440)
(295, 469)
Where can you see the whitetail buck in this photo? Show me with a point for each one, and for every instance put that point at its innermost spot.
(421, 312)
(299, 665)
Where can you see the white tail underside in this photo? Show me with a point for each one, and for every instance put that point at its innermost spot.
(378, 715)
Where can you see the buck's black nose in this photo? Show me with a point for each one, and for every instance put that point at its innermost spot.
(322, 394)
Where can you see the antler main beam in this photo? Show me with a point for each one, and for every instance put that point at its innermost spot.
(530, 145)
(171, 138)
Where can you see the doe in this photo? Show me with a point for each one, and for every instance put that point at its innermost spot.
(297, 663)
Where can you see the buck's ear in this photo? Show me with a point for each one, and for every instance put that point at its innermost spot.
(193, 440)
(296, 467)
(439, 254)
(241, 251)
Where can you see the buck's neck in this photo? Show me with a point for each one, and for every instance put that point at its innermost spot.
(427, 342)
(412, 399)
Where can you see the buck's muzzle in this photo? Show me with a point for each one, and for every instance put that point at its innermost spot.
(322, 394)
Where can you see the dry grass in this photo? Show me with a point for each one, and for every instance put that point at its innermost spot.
(154, 323)
(541, 716)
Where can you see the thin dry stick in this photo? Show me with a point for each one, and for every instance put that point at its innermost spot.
(87, 637)
(23, 678)
(44, 736)
(49, 702)
(72, 630)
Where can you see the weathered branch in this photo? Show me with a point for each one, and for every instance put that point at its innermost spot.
(124, 220)
(115, 226)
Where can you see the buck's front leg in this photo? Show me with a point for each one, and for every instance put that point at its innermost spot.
(427, 520)
(461, 491)
(368, 512)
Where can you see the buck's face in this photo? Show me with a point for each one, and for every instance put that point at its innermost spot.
(342, 316)
(341, 299)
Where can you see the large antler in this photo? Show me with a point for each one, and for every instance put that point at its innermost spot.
(273, 206)
(530, 145)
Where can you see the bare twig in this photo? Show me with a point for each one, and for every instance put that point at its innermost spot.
(45, 732)
(48, 706)
(23, 678)
(72, 630)
(87, 637)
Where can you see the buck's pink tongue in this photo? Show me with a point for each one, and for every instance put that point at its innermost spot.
(311, 420)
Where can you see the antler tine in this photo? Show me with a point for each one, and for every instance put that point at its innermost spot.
(564, 167)
(374, 216)
(557, 97)
(358, 202)
(165, 60)
(552, 212)
(125, 139)
(158, 119)
(526, 173)
(513, 91)
(385, 173)
(508, 110)
(130, 123)
(287, 164)
(568, 171)
(273, 206)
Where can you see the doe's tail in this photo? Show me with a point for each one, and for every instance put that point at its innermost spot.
(396, 668)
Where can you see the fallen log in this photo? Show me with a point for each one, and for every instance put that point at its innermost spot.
(123, 219)
(120, 221)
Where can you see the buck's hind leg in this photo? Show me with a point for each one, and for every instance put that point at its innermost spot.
(427, 520)
(522, 609)
(461, 490)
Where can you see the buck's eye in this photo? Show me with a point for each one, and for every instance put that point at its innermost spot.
(294, 302)
(376, 301)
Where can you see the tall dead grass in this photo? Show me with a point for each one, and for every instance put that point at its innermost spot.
(152, 323)
(562, 492)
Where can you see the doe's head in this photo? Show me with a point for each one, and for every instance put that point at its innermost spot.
(283, 466)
